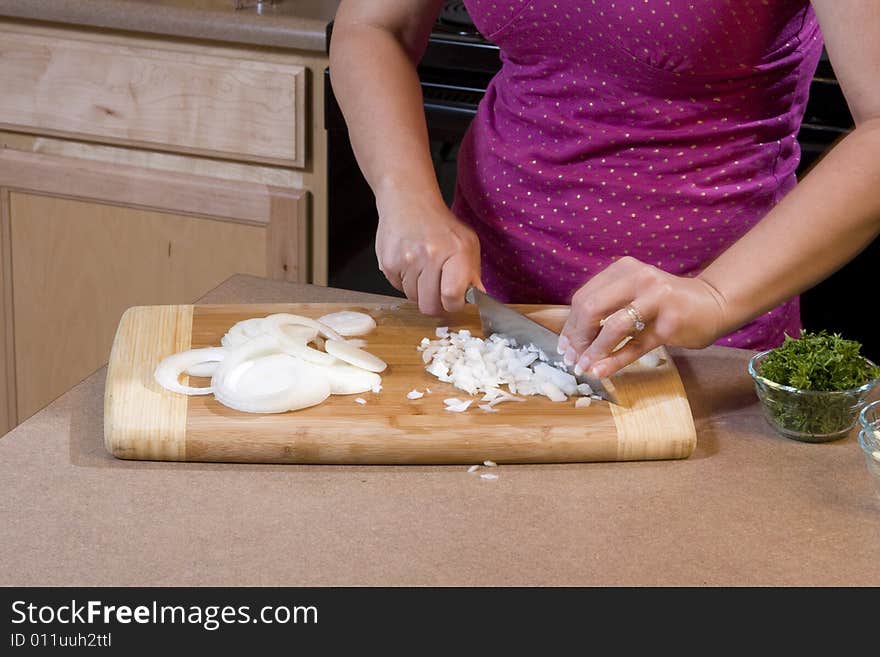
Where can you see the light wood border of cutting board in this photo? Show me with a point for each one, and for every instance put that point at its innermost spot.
(133, 419)
(142, 420)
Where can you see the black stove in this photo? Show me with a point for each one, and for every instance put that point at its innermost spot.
(454, 19)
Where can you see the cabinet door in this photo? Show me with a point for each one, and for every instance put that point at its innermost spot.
(82, 241)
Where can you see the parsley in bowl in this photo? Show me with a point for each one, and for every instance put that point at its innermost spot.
(813, 387)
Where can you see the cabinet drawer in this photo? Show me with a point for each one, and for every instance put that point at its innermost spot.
(212, 105)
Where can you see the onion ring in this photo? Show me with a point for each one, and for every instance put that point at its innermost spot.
(169, 370)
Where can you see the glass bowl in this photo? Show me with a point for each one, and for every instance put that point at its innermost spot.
(812, 416)
(870, 419)
(871, 448)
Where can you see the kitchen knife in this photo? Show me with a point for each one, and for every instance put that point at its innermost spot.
(498, 318)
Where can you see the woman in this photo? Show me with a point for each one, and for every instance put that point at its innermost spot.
(635, 158)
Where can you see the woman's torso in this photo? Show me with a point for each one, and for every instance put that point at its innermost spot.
(660, 129)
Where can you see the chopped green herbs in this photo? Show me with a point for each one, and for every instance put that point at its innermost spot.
(818, 362)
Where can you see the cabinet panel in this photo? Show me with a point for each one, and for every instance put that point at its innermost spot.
(7, 341)
(76, 266)
(232, 107)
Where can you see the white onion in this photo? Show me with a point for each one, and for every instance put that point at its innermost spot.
(308, 354)
(244, 330)
(264, 345)
(253, 328)
(234, 337)
(553, 393)
(350, 380)
(478, 365)
(561, 380)
(414, 394)
(273, 384)
(213, 356)
(275, 322)
(301, 333)
(583, 402)
(267, 366)
(170, 369)
(354, 356)
(460, 406)
(348, 323)
(204, 370)
(650, 359)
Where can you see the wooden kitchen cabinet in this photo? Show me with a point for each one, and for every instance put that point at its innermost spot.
(82, 241)
(143, 170)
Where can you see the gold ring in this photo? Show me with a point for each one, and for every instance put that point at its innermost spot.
(638, 322)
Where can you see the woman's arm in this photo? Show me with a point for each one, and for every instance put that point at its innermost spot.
(421, 247)
(831, 215)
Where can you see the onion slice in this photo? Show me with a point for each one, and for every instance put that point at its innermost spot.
(272, 384)
(213, 356)
(265, 345)
(168, 371)
(349, 323)
(305, 333)
(275, 322)
(242, 331)
(354, 356)
(347, 379)
(307, 353)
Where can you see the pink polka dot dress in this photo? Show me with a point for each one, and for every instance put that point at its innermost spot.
(659, 129)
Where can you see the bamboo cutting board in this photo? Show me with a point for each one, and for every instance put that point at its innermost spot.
(144, 421)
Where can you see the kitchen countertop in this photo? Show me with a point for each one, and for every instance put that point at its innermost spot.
(749, 507)
(294, 24)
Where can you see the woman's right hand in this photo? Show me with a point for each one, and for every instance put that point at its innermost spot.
(427, 253)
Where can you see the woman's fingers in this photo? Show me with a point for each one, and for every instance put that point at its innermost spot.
(616, 328)
(607, 292)
(410, 284)
(429, 299)
(392, 275)
(457, 275)
(629, 353)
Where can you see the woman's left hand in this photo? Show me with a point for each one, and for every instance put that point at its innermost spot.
(676, 311)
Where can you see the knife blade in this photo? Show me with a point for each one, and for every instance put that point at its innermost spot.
(499, 318)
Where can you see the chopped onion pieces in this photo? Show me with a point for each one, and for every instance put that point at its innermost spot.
(482, 366)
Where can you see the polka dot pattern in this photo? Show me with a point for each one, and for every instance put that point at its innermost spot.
(659, 129)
